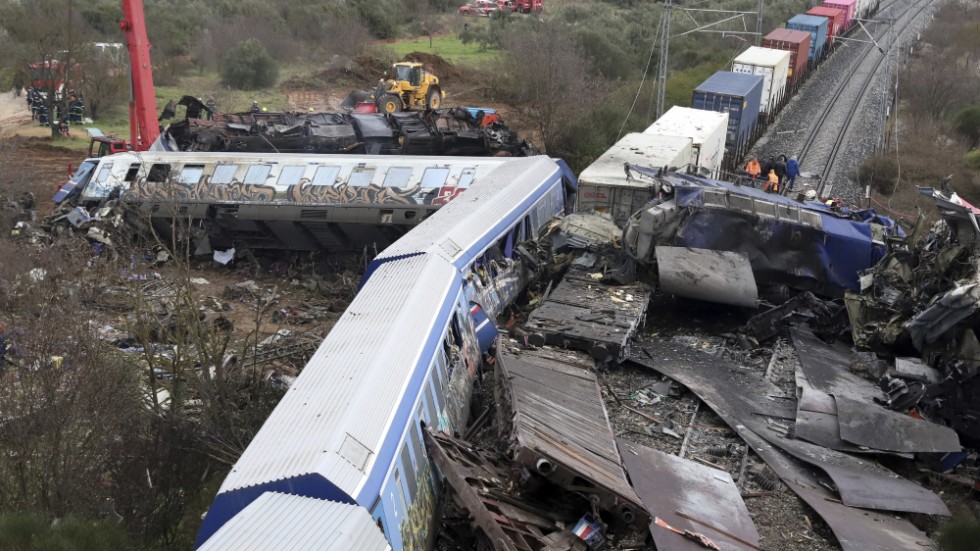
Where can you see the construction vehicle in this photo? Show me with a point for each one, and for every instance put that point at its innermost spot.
(144, 126)
(411, 87)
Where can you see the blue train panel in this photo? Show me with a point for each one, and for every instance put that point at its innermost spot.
(737, 94)
(817, 27)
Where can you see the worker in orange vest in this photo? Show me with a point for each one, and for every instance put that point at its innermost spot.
(772, 186)
(753, 169)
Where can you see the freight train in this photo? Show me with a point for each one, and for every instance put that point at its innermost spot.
(728, 111)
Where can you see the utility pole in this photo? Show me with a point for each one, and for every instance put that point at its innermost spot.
(664, 56)
(724, 17)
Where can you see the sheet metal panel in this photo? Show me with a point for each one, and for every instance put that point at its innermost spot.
(744, 397)
(334, 417)
(283, 522)
(496, 196)
(558, 415)
(772, 65)
(715, 276)
(668, 484)
(706, 129)
(604, 185)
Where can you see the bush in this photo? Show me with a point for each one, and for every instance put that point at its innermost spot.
(967, 123)
(959, 535)
(880, 172)
(25, 532)
(249, 66)
(972, 160)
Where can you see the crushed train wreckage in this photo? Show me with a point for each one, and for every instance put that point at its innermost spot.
(789, 244)
(451, 132)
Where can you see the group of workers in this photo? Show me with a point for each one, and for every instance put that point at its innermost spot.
(776, 173)
(64, 113)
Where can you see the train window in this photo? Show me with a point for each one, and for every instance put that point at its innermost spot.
(103, 174)
(416, 440)
(409, 470)
(435, 177)
(430, 407)
(290, 175)
(158, 173)
(457, 336)
(224, 174)
(134, 170)
(326, 175)
(257, 174)
(439, 367)
(361, 177)
(528, 233)
(466, 178)
(439, 396)
(397, 176)
(401, 491)
(190, 174)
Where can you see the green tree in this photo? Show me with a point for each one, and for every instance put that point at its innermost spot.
(249, 66)
(967, 123)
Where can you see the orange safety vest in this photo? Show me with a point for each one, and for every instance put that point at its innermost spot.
(772, 185)
(753, 169)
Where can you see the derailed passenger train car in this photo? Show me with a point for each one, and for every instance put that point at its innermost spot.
(346, 440)
(804, 245)
(286, 201)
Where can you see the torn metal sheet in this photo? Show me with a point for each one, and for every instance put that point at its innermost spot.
(916, 370)
(935, 322)
(827, 367)
(855, 529)
(559, 428)
(745, 397)
(669, 485)
(479, 480)
(861, 419)
(876, 427)
(703, 274)
(816, 421)
(582, 314)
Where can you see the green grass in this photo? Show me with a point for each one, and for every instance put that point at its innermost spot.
(447, 47)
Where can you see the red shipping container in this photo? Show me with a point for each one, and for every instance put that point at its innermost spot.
(849, 7)
(797, 43)
(836, 24)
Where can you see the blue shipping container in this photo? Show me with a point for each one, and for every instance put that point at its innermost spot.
(817, 27)
(738, 95)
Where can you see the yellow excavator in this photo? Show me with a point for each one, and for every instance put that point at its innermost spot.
(411, 87)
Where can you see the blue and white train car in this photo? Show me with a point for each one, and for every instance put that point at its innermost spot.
(348, 433)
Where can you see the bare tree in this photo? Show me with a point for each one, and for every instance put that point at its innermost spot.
(550, 79)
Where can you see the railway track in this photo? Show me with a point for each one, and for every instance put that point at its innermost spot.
(840, 110)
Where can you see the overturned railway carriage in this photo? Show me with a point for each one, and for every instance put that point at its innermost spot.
(289, 201)
(346, 440)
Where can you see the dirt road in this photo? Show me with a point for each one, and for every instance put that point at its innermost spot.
(13, 111)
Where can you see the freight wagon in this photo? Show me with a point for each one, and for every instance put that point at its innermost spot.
(797, 43)
(707, 131)
(738, 95)
(770, 64)
(817, 27)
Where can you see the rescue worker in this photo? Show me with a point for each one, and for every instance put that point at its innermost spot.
(210, 106)
(780, 168)
(753, 169)
(772, 185)
(255, 107)
(76, 110)
(792, 171)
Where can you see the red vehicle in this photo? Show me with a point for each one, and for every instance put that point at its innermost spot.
(51, 73)
(522, 6)
(480, 7)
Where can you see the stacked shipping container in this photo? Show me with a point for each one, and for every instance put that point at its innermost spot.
(848, 6)
(738, 95)
(797, 43)
(707, 131)
(773, 66)
(817, 27)
(835, 21)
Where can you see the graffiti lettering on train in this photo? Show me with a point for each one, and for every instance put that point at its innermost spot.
(417, 527)
(303, 192)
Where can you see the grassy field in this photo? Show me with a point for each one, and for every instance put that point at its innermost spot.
(448, 47)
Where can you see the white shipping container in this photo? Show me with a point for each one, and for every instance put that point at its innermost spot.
(772, 65)
(604, 185)
(706, 129)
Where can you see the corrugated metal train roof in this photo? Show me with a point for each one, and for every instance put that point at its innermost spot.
(283, 522)
(354, 381)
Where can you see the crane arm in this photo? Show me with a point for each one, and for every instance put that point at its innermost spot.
(143, 126)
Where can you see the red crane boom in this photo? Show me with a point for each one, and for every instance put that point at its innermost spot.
(143, 126)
